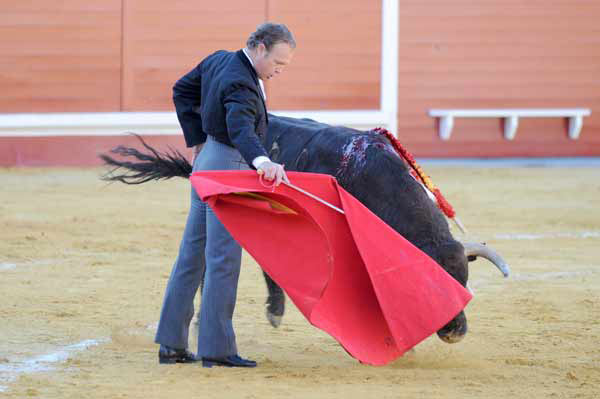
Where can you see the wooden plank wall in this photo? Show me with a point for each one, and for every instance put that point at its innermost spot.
(125, 55)
(163, 43)
(337, 64)
(60, 56)
(504, 54)
(333, 68)
(113, 55)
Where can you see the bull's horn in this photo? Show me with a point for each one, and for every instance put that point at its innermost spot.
(476, 249)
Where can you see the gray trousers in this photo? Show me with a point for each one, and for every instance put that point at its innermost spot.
(206, 244)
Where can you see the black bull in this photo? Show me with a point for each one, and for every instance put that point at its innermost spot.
(368, 167)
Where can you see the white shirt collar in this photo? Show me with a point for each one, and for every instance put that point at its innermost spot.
(262, 86)
(245, 50)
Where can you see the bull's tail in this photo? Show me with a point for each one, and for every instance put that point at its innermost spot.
(152, 165)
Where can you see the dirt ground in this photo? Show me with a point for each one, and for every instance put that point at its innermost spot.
(83, 267)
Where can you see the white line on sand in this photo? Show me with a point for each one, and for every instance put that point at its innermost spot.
(11, 371)
(542, 236)
(32, 262)
(552, 275)
(7, 266)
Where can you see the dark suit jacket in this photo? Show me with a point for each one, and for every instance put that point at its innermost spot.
(222, 97)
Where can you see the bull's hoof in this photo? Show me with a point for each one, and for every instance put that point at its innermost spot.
(274, 320)
(452, 338)
(275, 308)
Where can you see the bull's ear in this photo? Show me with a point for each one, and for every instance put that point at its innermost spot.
(471, 258)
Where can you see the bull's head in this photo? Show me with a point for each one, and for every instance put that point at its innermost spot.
(454, 258)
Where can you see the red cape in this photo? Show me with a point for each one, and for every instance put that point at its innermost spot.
(350, 275)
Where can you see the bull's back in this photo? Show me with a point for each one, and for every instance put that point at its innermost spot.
(305, 145)
(365, 165)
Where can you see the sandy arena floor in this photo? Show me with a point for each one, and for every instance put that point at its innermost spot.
(83, 267)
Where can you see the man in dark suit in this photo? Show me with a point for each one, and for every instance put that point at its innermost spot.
(221, 107)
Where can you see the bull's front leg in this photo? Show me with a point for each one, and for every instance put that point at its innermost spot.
(275, 304)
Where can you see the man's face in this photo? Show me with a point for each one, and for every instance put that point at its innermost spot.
(271, 63)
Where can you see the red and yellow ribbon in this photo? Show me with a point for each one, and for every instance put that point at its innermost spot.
(443, 204)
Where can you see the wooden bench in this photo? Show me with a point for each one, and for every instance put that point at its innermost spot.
(511, 118)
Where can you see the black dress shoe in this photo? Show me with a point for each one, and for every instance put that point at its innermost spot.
(229, 361)
(168, 355)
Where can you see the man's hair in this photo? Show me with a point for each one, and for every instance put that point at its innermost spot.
(270, 34)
